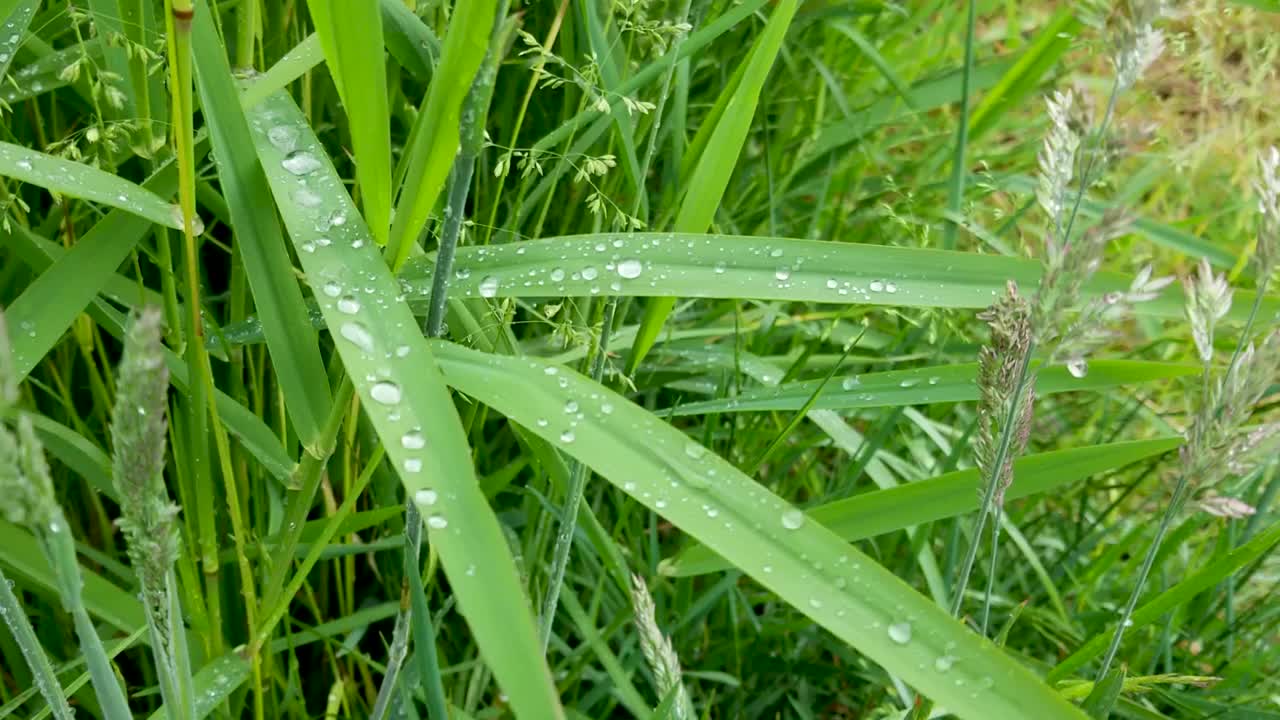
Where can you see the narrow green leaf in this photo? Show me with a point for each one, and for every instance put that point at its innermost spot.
(293, 343)
(296, 63)
(1104, 695)
(82, 181)
(1051, 43)
(15, 18)
(949, 495)
(806, 564)
(351, 34)
(409, 406)
(437, 134)
(715, 166)
(923, 386)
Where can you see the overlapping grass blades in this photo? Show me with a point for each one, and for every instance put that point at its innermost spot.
(401, 389)
(806, 564)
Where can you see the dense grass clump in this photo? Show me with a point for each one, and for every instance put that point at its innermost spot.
(638, 358)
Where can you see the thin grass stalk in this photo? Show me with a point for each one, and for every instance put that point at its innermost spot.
(955, 195)
(596, 358)
(1176, 501)
(400, 634)
(42, 674)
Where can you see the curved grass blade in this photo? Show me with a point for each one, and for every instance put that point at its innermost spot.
(1050, 45)
(15, 20)
(409, 406)
(766, 268)
(806, 564)
(81, 181)
(437, 135)
(949, 495)
(922, 386)
(715, 166)
(292, 342)
(295, 63)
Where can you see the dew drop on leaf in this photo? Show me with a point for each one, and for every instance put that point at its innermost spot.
(630, 268)
(1078, 367)
(385, 392)
(437, 522)
(357, 335)
(426, 497)
(413, 440)
(900, 632)
(488, 286)
(300, 162)
(792, 519)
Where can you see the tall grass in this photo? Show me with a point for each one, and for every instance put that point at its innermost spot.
(651, 358)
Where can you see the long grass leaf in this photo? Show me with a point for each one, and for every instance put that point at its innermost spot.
(807, 565)
(294, 345)
(408, 404)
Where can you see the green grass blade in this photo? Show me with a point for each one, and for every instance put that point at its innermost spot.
(1024, 76)
(351, 34)
(715, 165)
(882, 65)
(806, 564)
(727, 266)
(296, 63)
(293, 343)
(15, 18)
(924, 386)
(82, 181)
(1184, 591)
(48, 306)
(949, 495)
(437, 137)
(955, 184)
(15, 618)
(408, 39)
(408, 404)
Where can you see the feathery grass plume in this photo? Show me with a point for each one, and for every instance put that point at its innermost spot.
(147, 519)
(1218, 445)
(658, 652)
(999, 365)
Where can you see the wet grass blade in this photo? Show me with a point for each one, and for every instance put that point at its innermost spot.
(408, 404)
(293, 343)
(950, 495)
(766, 268)
(807, 565)
(84, 182)
(923, 386)
(715, 166)
(15, 18)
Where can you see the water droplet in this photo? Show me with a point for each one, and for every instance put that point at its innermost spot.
(385, 392)
(850, 383)
(348, 305)
(590, 273)
(557, 275)
(720, 267)
(24, 164)
(332, 289)
(943, 663)
(694, 450)
(437, 522)
(413, 465)
(782, 273)
(567, 436)
(300, 162)
(606, 408)
(815, 603)
(909, 382)
(462, 273)
(357, 335)
(767, 569)
(571, 407)
(877, 286)
(413, 440)
(792, 519)
(630, 269)
(426, 497)
(900, 632)
(307, 199)
(402, 351)
(890, 288)
(488, 286)
(935, 380)
(831, 283)
(1078, 367)
(283, 137)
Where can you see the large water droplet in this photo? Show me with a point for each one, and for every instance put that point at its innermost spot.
(557, 275)
(300, 162)
(877, 286)
(24, 164)
(900, 632)
(590, 273)
(348, 305)
(792, 519)
(437, 522)
(694, 450)
(1078, 367)
(283, 137)
(332, 289)
(567, 436)
(357, 335)
(850, 383)
(426, 497)
(488, 286)
(413, 440)
(413, 465)
(385, 392)
(630, 268)
(307, 199)
(943, 663)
